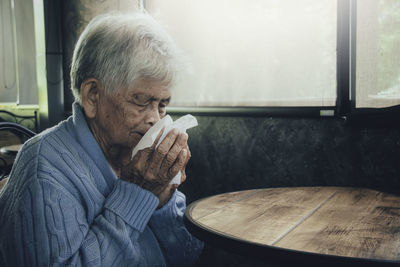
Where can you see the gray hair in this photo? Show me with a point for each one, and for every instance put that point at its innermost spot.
(118, 49)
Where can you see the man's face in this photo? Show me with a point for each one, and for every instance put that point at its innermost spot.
(126, 116)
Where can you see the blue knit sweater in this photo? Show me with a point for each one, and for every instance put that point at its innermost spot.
(64, 205)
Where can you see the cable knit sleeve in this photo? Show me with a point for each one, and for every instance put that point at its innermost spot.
(53, 228)
(45, 223)
(180, 247)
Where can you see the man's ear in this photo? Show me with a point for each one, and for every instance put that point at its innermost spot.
(90, 96)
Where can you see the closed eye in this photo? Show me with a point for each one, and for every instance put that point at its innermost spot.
(141, 100)
(137, 104)
(165, 102)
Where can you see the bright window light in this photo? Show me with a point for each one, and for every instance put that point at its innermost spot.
(378, 53)
(254, 53)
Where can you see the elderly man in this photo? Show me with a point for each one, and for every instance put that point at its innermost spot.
(74, 196)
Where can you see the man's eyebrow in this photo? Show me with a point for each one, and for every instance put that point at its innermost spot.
(150, 98)
(160, 99)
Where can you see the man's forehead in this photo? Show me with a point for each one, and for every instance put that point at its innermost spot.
(146, 85)
(149, 83)
(151, 89)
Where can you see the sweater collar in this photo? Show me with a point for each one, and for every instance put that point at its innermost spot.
(89, 143)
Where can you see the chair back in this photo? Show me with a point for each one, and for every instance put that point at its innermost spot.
(11, 134)
(29, 121)
(16, 128)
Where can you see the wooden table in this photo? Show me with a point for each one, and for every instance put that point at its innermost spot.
(320, 226)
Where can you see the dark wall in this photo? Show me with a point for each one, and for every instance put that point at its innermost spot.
(237, 153)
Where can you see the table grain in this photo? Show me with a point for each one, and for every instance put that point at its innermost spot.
(345, 223)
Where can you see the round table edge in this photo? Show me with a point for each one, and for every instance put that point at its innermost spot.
(270, 253)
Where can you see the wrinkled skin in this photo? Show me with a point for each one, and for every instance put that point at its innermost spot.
(120, 120)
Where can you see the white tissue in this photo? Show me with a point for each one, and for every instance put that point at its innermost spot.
(182, 124)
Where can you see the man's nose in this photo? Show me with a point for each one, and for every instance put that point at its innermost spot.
(152, 116)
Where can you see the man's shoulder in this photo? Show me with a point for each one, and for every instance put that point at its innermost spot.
(38, 159)
(56, 138)
(50, 157)
(50, 146)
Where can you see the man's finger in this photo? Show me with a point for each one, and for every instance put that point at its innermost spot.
(178, 165)
(162, 150)
(141, 158)
(170, 158)
(189, 155)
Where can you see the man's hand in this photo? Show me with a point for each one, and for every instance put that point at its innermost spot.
(153, 168)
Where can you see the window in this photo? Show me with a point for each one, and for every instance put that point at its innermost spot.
(377, 54)
(254, 53)
(21, 58)
(8, 76)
